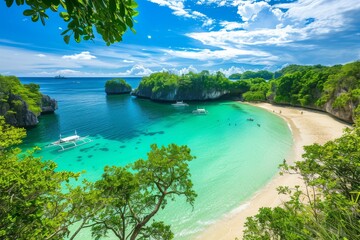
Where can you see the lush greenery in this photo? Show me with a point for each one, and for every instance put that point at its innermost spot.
(37, 201)
(110, 18)
(329, 205)
(117, 85)
(29, 93)
(251, 74)
(309, 86)
(189, 86)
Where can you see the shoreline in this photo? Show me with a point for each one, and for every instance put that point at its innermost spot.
(307, 127)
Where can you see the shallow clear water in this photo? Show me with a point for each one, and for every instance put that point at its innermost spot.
(234, 157)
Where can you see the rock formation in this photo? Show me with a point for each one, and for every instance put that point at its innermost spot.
(117, 86)
(17, 113)
(48, 105)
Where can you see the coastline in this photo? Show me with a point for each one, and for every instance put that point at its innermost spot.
(307, 127)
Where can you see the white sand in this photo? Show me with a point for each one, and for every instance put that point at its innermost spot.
(308, 127)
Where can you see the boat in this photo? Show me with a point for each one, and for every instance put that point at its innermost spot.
(59, 77)
(65, 143)
(180, 104)
(200, 111)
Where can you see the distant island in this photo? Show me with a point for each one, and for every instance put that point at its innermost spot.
(117, 86)
(60, 77)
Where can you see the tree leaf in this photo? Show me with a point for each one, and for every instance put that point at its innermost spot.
(28, 12)
(9, 3)
(67, 39)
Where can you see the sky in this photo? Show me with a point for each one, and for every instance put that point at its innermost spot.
(189, 35)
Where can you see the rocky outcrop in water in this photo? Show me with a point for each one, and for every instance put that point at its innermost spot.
(17, 113)
(117, 86)
(48, 105)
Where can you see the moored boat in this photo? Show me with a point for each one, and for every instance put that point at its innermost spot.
(180, 104)
(65, 143)
(200, 111)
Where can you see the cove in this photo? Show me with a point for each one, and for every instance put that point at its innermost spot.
(234, 157)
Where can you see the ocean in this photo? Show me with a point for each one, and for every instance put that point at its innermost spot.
(234, 157)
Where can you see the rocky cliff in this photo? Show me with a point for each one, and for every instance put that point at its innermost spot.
(17, 112)
(177, 94)
(48, 105)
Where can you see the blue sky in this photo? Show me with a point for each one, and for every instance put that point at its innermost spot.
(181, 36)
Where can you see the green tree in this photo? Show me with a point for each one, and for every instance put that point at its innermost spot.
(328, 207)
(110, 18)
(134, 194)
(31, 198)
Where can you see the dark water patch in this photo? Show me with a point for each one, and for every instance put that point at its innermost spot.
(90, 156)
(153, 133)
(104, 149)
(86, 149)
(122, 146)
(79, 160)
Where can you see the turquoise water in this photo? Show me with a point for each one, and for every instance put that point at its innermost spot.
(235, 157)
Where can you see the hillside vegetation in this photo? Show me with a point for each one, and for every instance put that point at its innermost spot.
(166, 86)
(21, 104)
(334, 89)
(28, 92)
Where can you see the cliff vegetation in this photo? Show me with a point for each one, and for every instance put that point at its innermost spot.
(117, 86)
(21, 104)
(165, 86)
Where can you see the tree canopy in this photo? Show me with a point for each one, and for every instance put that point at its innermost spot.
(28, 92)
(38, 202)
(328, 207)
(110, 18)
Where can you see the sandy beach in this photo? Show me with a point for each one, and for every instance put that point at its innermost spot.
(307, 127)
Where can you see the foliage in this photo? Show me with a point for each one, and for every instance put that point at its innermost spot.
(37, 201)
(162, 83)
(29, 93)
(251, 74)
(9, 135)
(328, 207)
(135, 193)
(30, 191)
(117, 85)
(259, 74)
(110, 18)
(258, 90)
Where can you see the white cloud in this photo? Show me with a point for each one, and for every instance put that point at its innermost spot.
(232, 70)
(249, 10)
(127, 61)
(41, 55)
(137, 70)
(81, 56)
(231, 25)
(223, 54)
(178, 8)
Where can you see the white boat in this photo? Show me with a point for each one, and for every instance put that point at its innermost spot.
(180, 104)
(65, 143)
(199, 111)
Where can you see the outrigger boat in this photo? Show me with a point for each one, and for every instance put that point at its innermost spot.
(69, 142)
